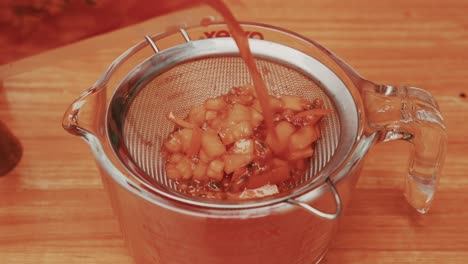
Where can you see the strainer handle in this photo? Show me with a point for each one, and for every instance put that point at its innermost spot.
(411, 114)
(311, 209)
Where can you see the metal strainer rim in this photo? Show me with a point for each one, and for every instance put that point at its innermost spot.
(168, 58)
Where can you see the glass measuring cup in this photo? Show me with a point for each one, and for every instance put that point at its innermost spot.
(164, 229)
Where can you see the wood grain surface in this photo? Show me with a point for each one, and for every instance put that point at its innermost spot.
(53, 208)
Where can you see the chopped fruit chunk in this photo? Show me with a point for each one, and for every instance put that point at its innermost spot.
(302, 138)
(279, 141)
(172, 173)
(175, 158)
(275, 176)
(301, 154)
(233, 133)
(294, 103)
(185, 137)
(237, 114)
(215, 170)
(263, 191)
(173, 144)
(212, 145)
(243, 146)
(256, 117)
(197, 115)
(185, 168)
(235, 161)
(313, 112)
(215, 103)
(210, 115)
(199, 173)
(276, 104)
(243, 95)
(203, 156)
(312, 116)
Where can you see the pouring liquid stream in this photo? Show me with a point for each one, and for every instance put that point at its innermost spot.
(242, 43)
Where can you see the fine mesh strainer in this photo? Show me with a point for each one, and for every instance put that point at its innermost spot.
(185, 75)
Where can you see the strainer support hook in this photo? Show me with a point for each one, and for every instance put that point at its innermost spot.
(329, 216)
(152, 44)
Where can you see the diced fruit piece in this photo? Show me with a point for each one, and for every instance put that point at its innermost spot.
(237, 113)
(312, 116)
(247, 89)
(243, 95)
(263, 191)
(175, 158)
(185, 168)
(174, 144)
(245, 99)
(210, 115)
(215, 103)
(274, 176)
(302, 138)
(256, 117)
(309, 120)
(301, 154)
(294, 103)
(179, 121)
(217, 123)
(288, 114)
(199, 173)
(185, 136)
(233, 133)
(172, 173)
(211, 144)
(279, 142)
(243, 146)
(233, 162)
(318, 111)
(276, 104)
(203, 156)
(197, 115)
(284, 130)
(215, 170)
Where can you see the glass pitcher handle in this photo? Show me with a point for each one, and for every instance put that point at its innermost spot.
(411, 114)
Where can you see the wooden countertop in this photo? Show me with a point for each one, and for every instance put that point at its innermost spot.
(53, 208)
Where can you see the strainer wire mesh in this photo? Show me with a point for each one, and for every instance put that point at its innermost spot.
(190, 83)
